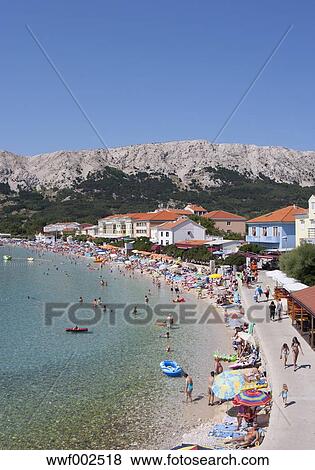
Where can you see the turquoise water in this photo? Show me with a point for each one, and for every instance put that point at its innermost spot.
(103, 389)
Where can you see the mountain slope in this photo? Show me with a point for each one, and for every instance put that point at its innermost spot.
(86, 185)
(187, 162)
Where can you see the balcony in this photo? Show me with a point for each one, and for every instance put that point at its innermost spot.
(261, 239)
(310, 241)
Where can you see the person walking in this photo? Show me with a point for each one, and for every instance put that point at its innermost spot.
(284, 394)
(267, 293)
(279, 309)
(284, 353)
(272, 310)
(296, 348)
(211, 395)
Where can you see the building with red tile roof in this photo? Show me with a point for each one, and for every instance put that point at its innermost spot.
(136, 224)
(227, 221)
(284, 215)
(275, 230)
(181, 229)
(196, 209)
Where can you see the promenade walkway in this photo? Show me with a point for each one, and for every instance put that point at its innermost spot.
(292, 427)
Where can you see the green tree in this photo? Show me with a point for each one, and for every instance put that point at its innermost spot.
(251, 248)
(236, 259)
(142, 244)
(300, 264)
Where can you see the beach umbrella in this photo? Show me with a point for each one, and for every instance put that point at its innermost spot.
(215, 276)
(191, 447)
(252, 398)
(226, 385)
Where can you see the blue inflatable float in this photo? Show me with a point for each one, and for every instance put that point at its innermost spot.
(171, 368)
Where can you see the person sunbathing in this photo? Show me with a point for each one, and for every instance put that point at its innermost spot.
(250, 439)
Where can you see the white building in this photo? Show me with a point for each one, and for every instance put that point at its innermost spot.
(48, 239)
(135, 225)
(60, 227)
(305, 225)
(181, 229)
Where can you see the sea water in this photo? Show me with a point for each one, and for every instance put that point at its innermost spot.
(103, 389)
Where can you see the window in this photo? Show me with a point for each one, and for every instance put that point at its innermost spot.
(167, 242)
(228, 231)
(264, 231)
(228, 223)
(311, 233)
(275, 231)
(161, 234)
(167, 234)
(254, 231)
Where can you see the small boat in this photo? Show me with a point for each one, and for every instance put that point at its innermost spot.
(7, 257)
(76, 330)
(30, 258)
(171, 368)
(179, 301)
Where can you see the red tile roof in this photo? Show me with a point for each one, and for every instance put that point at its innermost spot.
(175, 223)
(191, 243)
(223, 215)
(196, 208)
(306, 298)
(162, 215)
(85, 226)
(286, 214)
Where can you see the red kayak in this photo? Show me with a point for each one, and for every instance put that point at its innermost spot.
(77, 330)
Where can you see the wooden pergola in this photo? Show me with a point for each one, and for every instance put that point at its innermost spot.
(301, 308)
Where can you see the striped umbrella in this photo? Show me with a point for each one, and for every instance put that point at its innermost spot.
(252, 398)
(226, 385)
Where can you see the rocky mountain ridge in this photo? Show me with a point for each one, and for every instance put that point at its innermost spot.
(187, 162)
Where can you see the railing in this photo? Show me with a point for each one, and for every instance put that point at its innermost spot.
(262, 239)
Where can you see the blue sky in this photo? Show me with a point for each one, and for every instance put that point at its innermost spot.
(152, 71)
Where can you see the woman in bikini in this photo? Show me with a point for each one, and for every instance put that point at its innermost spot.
(284, 353)
(189, 386)
(296, 348)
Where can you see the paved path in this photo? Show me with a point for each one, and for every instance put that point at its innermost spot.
(292, 427)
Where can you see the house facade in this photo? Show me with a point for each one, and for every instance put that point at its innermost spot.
(227, 221)
(276, 230)
(305, 224)
(181, 229)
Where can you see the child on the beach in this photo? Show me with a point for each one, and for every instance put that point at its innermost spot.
(284, 394)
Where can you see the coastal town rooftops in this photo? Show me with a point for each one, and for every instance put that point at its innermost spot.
(223, 215)
(161, 215)
(284, 215)
(306, 298)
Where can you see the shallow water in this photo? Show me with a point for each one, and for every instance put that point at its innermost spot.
(98, 390)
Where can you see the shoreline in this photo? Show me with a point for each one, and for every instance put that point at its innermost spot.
(197, 418)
